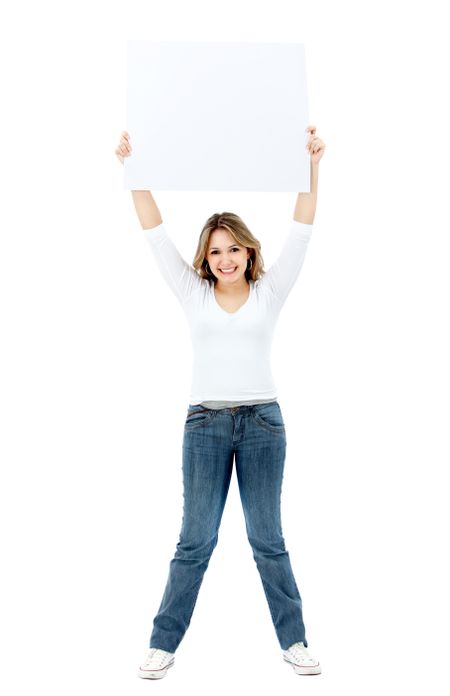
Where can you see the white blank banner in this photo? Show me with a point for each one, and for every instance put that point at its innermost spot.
(217, 116)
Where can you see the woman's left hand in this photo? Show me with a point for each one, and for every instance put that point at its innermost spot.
(315, 146)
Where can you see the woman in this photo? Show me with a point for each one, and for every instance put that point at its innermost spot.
(232, 306)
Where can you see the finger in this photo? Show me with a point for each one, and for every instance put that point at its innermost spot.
(125, 144)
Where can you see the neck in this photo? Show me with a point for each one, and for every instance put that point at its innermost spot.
(239, 286)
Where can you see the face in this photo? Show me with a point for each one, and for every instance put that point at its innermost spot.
(225, 254)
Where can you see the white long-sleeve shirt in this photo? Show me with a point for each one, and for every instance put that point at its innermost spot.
(231, 351)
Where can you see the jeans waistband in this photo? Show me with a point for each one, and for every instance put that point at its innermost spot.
(242, 408)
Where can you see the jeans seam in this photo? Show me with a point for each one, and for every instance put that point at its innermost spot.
(269, 602)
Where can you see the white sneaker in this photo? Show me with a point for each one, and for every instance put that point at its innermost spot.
(301, 661)
(156, 664)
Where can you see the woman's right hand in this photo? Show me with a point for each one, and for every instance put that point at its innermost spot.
(124, 148)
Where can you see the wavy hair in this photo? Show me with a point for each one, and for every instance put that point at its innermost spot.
(239, 231)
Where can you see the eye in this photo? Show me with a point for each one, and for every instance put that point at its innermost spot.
(234, 249)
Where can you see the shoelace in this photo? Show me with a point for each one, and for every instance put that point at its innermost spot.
(156, 655)
(299, 652)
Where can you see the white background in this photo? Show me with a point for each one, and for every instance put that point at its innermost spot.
(96, 362)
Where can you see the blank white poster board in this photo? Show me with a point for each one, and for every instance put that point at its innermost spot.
(217, 116)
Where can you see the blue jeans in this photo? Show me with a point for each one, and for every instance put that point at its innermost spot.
(255, 436)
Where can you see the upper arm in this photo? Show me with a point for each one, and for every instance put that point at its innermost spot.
(181, 277)
(283, 273)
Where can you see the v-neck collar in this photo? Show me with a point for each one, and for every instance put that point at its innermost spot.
(232, 314)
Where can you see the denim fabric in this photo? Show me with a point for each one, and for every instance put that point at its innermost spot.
(254, 437)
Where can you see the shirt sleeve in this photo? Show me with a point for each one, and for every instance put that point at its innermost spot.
(281, 276)
(182, 278)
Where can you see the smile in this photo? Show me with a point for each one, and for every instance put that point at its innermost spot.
(227, 271)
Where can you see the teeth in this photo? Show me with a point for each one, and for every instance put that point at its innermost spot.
(230, 270)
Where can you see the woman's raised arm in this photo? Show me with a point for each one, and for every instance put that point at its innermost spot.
(305, 208)
(146, 208)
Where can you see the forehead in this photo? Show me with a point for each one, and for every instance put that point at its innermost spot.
(221, 238)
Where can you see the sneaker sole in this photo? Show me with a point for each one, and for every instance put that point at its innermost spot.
(154, 673)
(298, 669)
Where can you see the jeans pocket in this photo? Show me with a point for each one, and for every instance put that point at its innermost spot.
(197, 416)
(269, 416)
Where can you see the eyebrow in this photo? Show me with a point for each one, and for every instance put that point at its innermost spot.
(230, 247)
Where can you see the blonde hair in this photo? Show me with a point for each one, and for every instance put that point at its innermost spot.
(239, 231)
